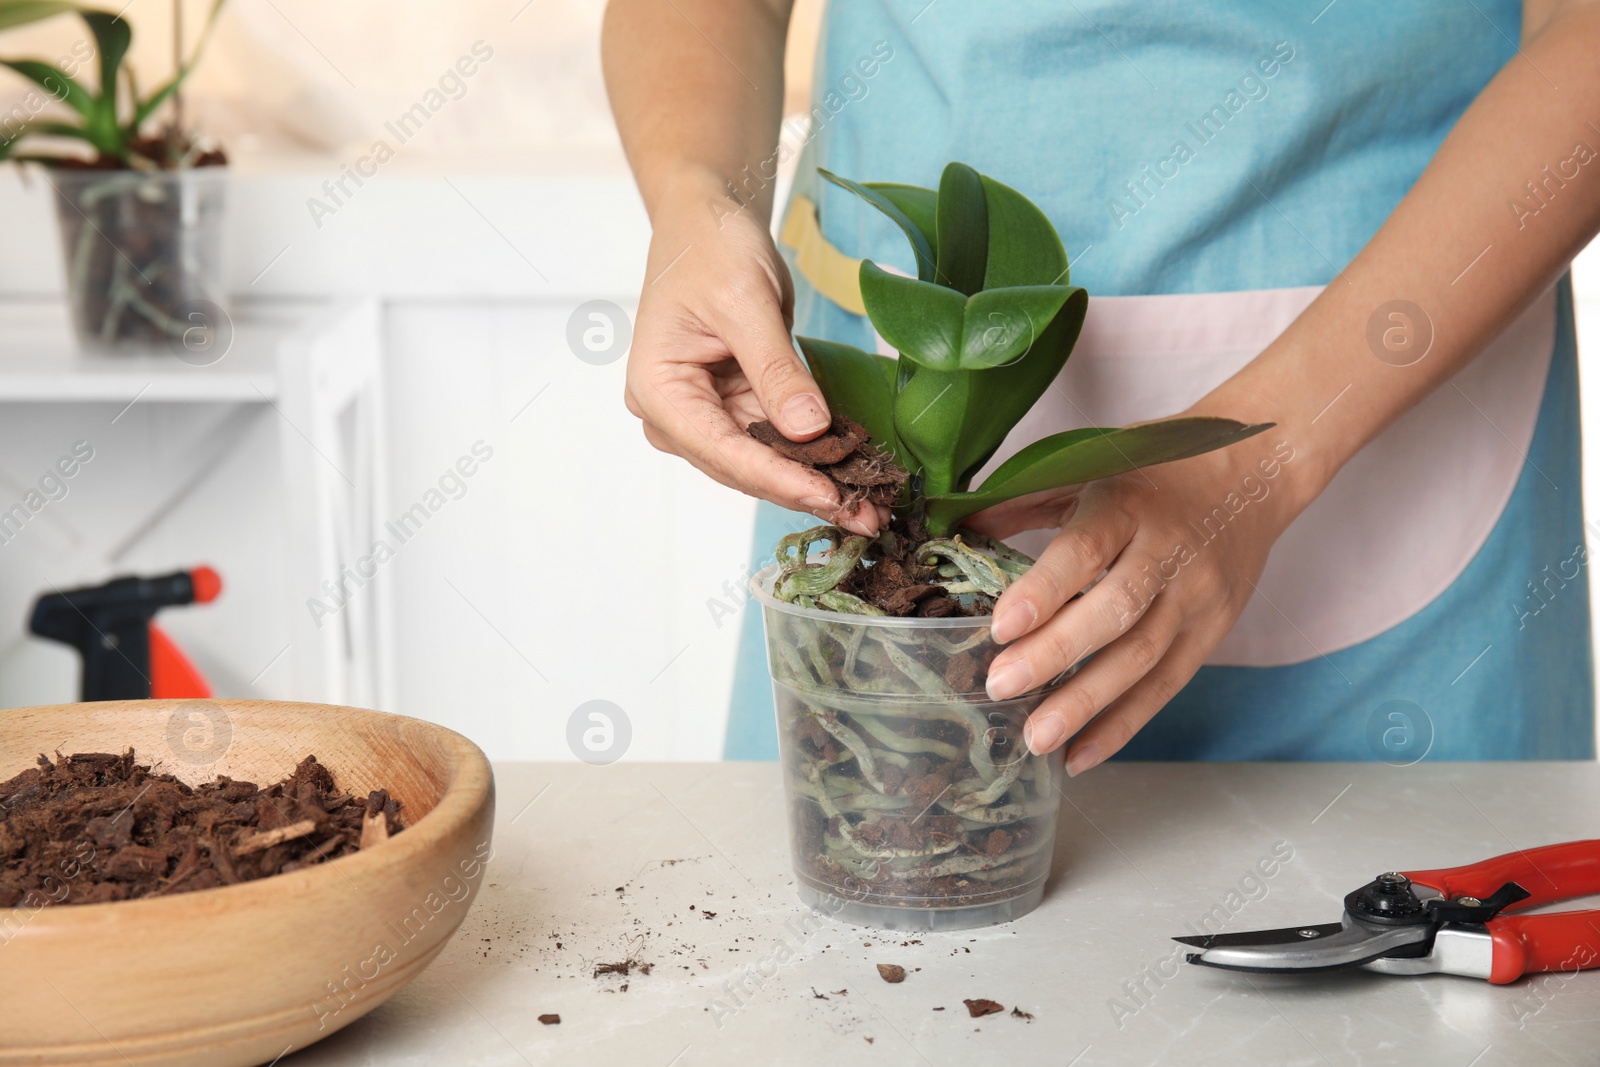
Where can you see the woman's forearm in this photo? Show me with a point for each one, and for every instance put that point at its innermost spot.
(1456, 247)
(697, 89)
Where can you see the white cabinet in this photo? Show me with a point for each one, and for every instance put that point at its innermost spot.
(267, 464)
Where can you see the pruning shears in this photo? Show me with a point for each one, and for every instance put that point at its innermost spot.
(1449, 921)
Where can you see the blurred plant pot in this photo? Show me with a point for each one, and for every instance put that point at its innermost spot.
(913, 802)
(143, 255)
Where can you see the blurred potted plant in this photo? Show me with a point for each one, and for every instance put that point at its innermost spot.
(140, 212)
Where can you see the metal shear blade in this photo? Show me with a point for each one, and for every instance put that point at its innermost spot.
(1327, 946)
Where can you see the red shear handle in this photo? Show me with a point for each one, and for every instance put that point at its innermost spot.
(1550, 873)
(1524, 944)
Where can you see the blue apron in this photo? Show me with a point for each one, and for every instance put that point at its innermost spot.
(1239, 146)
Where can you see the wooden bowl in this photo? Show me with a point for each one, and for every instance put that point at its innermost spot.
(244, 973)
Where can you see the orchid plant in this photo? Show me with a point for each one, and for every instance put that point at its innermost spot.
(909, 788)
(982, 331)
(105, 119)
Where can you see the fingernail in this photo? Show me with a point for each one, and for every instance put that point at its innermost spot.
(857, 525)
(805, 414)
(1044, 733)
(1013, 620)
(1008, 679)
(1083, 757)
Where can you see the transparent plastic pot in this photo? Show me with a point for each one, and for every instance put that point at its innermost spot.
(143, 257)
(913, 802)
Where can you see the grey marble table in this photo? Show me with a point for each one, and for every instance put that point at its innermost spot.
(685, 867)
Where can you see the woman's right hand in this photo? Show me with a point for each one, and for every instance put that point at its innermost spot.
(711, 354)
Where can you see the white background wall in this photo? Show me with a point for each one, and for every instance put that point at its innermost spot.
(579, 563)
(576, 566)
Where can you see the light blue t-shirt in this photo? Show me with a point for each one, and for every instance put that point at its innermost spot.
(1245, 144)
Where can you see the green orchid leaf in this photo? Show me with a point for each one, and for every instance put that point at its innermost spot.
(112, 37)
(999, 398)
(953, 421)
(1079, 456)
(890, 369)
(21, 12)
(855, 383)
(918, 204)
(1023, 247)
(922, 320)
(963, 226)
(1023, 250)
(933, 326)
(920, 244)
(983, 331)
(51, 129)
(1001, 325)
(904, 369)
(929, 411)
(147, 107)
(54, 82)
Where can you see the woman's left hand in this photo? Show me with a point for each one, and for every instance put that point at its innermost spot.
(1180, 546)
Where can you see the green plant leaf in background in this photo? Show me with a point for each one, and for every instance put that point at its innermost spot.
(857, 384)
(106, 124)
(963, 228)
(54, 129)
(920, 244)
(1079, 456)
(54, 82)
(21, 12)
(112, 37)
(143, 110)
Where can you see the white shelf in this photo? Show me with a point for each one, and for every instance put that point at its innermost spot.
(41, 362)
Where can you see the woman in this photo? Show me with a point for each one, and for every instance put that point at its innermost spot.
(1347, 220)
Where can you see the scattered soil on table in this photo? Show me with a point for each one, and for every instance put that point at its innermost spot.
(892, 973)
(981, 1007)
(94, 827)
(550, 1020)
(623, 968)
(1025, 1016)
